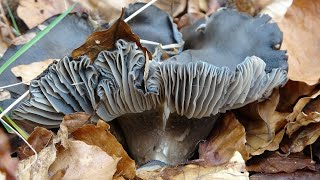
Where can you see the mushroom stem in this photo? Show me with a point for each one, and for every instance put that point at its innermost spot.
(173, 143)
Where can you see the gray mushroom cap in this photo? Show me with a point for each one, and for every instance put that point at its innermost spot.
(155, 25)
(164, 107)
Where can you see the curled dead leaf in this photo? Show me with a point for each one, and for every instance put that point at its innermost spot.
(299, 118)
(234, 169)
(34, 12)
(274, 163)
(100, 136)
(38, 170)
(83, 161)
(105, 40)
(300, 139)
(290, 94)
(30, 71)
(75, 121)
(228, 137)
(300, 28)
(264, 125)
(39, 139)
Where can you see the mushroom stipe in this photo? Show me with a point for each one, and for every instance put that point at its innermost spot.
(228, 62)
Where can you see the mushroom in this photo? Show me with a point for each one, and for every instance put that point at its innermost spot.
(154, 25)
(165, 107)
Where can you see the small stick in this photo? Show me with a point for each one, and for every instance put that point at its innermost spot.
(139, 10)
(11, 85)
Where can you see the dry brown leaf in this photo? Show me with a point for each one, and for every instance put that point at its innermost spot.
(39, 139)
(105, 40)
(23, 39)
(58, 175)
(109, 10)
(212, 6)
(234, 169)
(299, 118)
(300, 175)
(4, 94)
(39, 170)
(34, 12)
(100, 136)
(302, 120)
(263, 124)
(300, 139)
(74, 121)
(8, 165)
(274, 163)
(189, 18)
(301, 38)
(31, 71)
(228, 137)
(83, 161)
(274, 8)
(290, 94)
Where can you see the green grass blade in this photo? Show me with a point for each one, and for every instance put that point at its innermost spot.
(7, 128)
(16, 127)
(25, 47)
(12, 19)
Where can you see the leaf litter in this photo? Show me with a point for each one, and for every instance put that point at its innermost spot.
(277, 124)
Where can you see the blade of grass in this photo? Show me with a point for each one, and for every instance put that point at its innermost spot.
(7, 128)
(12, 19)
(13, 124)
(25, 47)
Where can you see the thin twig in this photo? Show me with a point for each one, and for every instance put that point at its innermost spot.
(16, 84)
(139, 10)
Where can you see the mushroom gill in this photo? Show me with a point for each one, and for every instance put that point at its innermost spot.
(165, 107)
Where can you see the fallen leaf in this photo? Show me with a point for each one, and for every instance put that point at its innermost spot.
(301, 175)
(38, 170)
(234, 169)
(228, 137)
(300, 139)
(289, 97)
(298, 118)
(263, 124)
(241, 5)
(8, 165)
(39, 139)
(105, 40)
(300, 28)
(109, 10)
(100, 136)
(74, 121)
(58, 175)
(83, 161)
(23, 39)
(31, 71)
(274, 163)
(4, 94)
(274, 8)
(34, 12)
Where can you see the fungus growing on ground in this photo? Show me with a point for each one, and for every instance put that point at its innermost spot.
(166, 107)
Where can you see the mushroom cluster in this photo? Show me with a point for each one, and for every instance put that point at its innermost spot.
(165, 106)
